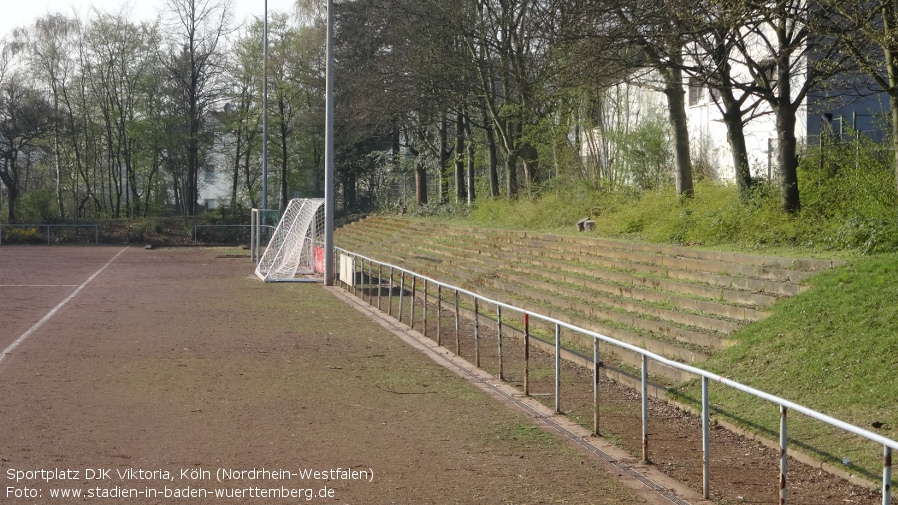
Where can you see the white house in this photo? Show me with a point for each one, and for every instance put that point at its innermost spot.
(629, 104)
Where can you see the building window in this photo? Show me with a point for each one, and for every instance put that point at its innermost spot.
(209, 173)
(697, 95)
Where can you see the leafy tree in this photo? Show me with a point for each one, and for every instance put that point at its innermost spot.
(121, 56)
(867, 31)
(25, 116)
(785, 60)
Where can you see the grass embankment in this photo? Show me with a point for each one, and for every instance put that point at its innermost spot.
(716, 217)
(833, 348)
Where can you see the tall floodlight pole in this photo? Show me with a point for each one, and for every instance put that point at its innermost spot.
(329, 153)
(265, 109)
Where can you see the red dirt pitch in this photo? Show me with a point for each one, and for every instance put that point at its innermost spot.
(173, 375)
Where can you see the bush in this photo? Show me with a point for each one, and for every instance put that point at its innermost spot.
(37, 206)
(22, 235)
(848, 204)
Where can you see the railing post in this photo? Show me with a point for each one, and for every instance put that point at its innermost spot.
(401, 292)
(362, 283)
(457, 323)
(526, 354)
(425, 307)
(644, 376)
(476, 334)
(499, 334)
(706, 454)
(380, 281)
(439, 314)
(886, 475)
(557, 368)
(371, 283)
(357, 264)
(390, 295)
(411, 311)
(596, 364)
(783, 453)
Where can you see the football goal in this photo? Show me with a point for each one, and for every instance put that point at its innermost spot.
(295, 252)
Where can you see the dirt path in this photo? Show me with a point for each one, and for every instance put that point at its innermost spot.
(174, 360)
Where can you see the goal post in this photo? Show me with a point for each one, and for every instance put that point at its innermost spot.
(295, 252)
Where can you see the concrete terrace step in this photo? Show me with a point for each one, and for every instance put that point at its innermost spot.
(775, 281)
(676, 301)
(621, 285)
(597, 299)
(775, 262)
(477, 275)
(474, 282)
(652, 264)
(614, 272)
(654, 316)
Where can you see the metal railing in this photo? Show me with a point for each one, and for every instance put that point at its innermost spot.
(359, 265)
(50, 227)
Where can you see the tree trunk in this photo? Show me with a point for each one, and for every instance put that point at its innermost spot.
(420, 182)
(58, 165)
(444, 160)
(893, 105)
(420, 172)
(492, 158)
(470, 156)
(459, 174)
(11, 207)
(736, 139)
(732, 118)
(235, 179)
(530, 158)
(511, 174)
(285, 197)
(676, 108)
(349, 191)
(787, 159)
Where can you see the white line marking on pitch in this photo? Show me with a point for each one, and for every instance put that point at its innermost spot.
(37, 285)
(6, 352)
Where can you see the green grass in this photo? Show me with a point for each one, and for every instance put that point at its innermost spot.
(716, 218)
(834, 349)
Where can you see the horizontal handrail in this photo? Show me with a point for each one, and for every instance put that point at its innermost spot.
(785, 404)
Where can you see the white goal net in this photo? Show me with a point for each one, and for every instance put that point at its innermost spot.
(296, 250)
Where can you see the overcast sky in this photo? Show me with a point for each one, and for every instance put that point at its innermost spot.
(19, 13)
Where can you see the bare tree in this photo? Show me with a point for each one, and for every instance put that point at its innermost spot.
(195, 63)
(711, 63)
